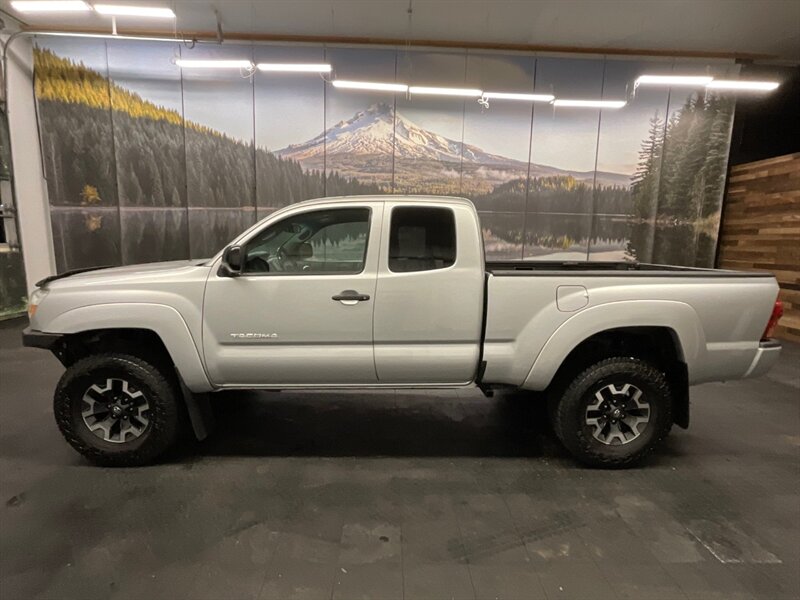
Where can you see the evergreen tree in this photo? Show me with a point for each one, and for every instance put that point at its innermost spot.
(714, 167)
(644, 187)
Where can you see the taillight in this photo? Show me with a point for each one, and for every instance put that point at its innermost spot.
(777, 313)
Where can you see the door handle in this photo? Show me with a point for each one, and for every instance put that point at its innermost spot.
(350, 297)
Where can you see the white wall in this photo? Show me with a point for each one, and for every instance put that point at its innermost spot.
(32, 207)
(763, 27)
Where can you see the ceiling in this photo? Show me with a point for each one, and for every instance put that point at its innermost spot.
(768, 28)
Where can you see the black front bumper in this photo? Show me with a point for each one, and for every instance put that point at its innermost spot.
(38, 339)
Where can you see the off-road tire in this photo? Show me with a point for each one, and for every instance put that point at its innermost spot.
(162, 395)
(568, 412)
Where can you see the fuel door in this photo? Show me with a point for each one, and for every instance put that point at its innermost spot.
(570, 298)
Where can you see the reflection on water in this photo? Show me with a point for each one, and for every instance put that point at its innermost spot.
(556, 236)
(211, 229)
(154, 235)
(502, 235)
(85, 237)
(687, 244)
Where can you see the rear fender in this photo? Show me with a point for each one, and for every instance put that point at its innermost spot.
(677, 316)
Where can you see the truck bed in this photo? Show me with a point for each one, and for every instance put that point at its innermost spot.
(580, 299)
(530, 268)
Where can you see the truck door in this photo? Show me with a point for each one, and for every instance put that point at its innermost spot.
(301, 310)
(429, 298)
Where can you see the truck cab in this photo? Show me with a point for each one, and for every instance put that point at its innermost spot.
(351, 293)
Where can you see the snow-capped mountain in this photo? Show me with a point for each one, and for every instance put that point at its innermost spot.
(379, 131)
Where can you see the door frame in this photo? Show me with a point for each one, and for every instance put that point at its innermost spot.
(211, 340)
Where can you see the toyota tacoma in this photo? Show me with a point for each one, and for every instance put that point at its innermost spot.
(393, 292)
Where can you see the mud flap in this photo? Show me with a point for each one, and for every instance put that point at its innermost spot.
(200, 414)
(679, 385)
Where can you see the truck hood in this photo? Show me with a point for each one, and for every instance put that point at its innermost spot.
(123, 275)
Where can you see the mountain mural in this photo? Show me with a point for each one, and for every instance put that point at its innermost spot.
(355, 145)
(130, 180)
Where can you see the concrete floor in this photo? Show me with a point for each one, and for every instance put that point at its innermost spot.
(446, 495)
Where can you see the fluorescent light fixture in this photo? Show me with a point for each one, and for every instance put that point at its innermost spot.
(743, 85)
(24, 6)
(590, 103)
(515, 96)
(673, 80)
(294, 67)
(119, 10)
(370, 85)
(186, 63)
(437, 91)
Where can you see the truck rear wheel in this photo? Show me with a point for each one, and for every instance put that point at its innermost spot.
(116, 410)
(614, 413)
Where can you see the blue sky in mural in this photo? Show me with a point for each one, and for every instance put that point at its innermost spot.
(219, 98)
(92, 53)
(358, 64)
(503, 128)
(566, 137)
(442, 114)
(289, 106)
(160, 84)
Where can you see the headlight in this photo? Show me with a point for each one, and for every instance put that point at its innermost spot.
(35, 299)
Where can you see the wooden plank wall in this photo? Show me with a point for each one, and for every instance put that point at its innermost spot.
(761, 229)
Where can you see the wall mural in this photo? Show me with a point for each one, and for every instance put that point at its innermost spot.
(13, 293)
(147, 161)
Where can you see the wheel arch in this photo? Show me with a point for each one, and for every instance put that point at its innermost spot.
(666, 333)
(136, 341)
(678, 319)
(659, 346)
(134, 328)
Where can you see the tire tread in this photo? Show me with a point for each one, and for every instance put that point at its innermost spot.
(164, 410)
(576, 442)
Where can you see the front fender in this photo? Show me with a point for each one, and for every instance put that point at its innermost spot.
(677, 316)
(164, 320)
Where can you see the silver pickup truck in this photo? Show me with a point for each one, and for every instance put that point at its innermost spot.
(393, 291)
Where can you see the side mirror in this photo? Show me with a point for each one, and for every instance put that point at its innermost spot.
(231, 261)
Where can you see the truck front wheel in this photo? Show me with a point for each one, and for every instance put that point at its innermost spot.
(116, 410)
(614, 412)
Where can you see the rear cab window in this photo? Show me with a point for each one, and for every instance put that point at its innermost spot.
(421, 238)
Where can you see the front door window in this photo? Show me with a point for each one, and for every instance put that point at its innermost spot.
(330, 241)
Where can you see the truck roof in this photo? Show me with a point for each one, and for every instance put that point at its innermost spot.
(383, 198)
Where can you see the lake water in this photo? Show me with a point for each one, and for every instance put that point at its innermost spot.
(555, 236)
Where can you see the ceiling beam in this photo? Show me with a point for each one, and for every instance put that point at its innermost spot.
(448, 44)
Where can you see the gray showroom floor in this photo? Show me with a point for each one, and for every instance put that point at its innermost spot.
(406, 495)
